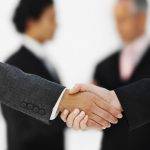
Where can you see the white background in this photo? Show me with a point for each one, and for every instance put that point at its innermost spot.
(85, 36)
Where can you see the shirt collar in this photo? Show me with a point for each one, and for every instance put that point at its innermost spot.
(34, 46)
(137, 48)
(131, 56)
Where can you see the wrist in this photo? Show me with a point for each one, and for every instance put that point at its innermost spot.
(64, 98)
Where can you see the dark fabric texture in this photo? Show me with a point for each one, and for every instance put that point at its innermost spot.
(135, 99)
(120, 136)
(25, 132)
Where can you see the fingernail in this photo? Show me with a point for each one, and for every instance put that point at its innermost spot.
(103, 128)
(82, 113)
(115, 122)
(120, 116)
(76, 111)
(69, 125)
(109, 125)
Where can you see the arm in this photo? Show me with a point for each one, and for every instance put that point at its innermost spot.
(37, 97)
(27, 93)
(135, 100)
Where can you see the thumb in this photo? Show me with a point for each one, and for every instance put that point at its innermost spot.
(77, 88)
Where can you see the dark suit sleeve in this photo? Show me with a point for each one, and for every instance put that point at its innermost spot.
(28, 93)
(135, 100)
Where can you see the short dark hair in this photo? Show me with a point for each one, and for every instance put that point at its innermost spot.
(29, 9)
(141, 5)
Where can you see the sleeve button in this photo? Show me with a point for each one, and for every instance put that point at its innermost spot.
(36, 109)
(23, 105)
(42, 112)
(30, 106)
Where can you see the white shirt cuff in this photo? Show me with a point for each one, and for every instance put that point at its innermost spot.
(55, 109)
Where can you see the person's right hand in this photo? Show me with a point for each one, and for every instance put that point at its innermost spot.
(100, 113)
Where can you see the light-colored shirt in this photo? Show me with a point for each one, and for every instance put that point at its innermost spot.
(39, 51)
(131, 56)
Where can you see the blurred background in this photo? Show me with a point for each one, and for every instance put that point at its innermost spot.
(86, 34)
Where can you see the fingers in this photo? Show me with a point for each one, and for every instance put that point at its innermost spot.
(71, 117)
(83, 123)
(87, 88)
(77, 88)
(108, 108)
(64, 115)
(104, 114)
(93, 124)
(105, 124)
(77, 120)
(74, 90)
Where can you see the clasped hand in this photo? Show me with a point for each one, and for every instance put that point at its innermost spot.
(95, 107)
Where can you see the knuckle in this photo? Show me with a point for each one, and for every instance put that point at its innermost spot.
(76, 120)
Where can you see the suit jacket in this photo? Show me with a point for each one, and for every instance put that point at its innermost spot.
(119, 137)
(27, 133)
(27, 93)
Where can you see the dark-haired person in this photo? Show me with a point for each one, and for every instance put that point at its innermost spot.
(129, 64)
(36, 21)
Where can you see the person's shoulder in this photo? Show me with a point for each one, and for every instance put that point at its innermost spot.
(17, 57)
(20, 55)
(108, 61)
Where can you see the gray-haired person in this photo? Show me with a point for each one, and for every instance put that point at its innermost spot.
(129, 63)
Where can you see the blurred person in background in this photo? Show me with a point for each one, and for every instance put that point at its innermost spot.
(36, 21)
(129, 64)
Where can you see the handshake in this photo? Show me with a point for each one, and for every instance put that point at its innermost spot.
(89, 106)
